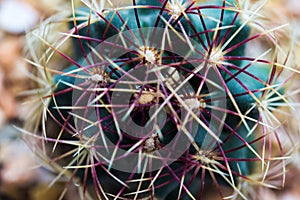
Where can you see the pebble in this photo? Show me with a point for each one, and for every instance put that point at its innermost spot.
(17, 16)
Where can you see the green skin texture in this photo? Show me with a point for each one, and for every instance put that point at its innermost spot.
(244, 102)
(63, 98)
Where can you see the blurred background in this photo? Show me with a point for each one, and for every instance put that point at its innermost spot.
(21, 177)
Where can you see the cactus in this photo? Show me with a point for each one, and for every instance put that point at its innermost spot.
(161, 100)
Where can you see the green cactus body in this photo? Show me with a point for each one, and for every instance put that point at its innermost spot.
(62, 98)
